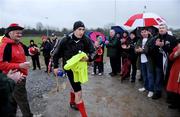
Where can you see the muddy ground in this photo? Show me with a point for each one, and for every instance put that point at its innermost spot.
(104, 96)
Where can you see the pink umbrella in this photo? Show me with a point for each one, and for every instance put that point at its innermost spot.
(93, 35)
(144, 20)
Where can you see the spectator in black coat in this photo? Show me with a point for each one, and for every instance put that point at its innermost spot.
(46, 49)
(34, 53)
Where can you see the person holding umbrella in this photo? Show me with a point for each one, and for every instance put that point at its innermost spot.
(146, 63)
(160, 47)
(133, 55)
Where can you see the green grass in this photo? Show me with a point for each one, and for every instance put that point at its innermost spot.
(26, 40)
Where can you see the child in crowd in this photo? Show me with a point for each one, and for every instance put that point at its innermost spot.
(98, 62)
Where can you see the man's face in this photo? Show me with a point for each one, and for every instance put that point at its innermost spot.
(132, 36)
(79, 32)
(16, 35)
(98, 38)
(118, 35)
(144, 33)
(31, 43)
(53, 37)
(162, 30)
(112, 33)
(124, 34)
(44, 39)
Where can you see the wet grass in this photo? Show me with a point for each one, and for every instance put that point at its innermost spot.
(26, 40)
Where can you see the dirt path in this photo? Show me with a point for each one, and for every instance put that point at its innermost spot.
(104, 96)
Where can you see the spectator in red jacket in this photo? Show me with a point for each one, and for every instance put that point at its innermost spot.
(173, 86)
(98, 63)
(12, 56)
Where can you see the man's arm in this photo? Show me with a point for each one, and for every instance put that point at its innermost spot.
(113, 44)
(58, 52)
(4, 64)
(91, 50)
(170, 44)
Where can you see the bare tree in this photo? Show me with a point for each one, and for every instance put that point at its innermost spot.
(39, 26)
(108, 26)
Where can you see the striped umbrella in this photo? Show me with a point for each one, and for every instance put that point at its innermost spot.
(144, 20)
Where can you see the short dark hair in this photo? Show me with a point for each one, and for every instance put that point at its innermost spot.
(31, 41)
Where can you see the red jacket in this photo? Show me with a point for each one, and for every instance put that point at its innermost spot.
(99, 56)
(18, 56)
(174, 83)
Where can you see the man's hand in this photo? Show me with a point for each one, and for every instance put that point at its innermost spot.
(84, 59)
(159, 43)
(37, 48)
(15, 75)
(106, 42)
(140, 49)
(179, 46)
(24, 65)
(178, 49)
(137, 50)
(123, 40)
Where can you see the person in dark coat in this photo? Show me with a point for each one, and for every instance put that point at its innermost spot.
(160, 48)
(112, 52)
(125, 53)
(54, 39)
(46, 48)
(118, 36)
(34, 53)
(7, 84)
(69, 46)
(146, 63)
(133, 55)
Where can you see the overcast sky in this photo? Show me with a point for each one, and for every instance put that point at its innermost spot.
(94, 13)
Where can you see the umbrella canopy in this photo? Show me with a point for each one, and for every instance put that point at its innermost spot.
(93, 35)
(118, 29)
(144, 19)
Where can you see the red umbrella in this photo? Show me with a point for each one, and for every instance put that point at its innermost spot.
(144, 20)
(93, 35)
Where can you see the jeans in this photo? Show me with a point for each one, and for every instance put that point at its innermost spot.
(158, 79)
(147, 76)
